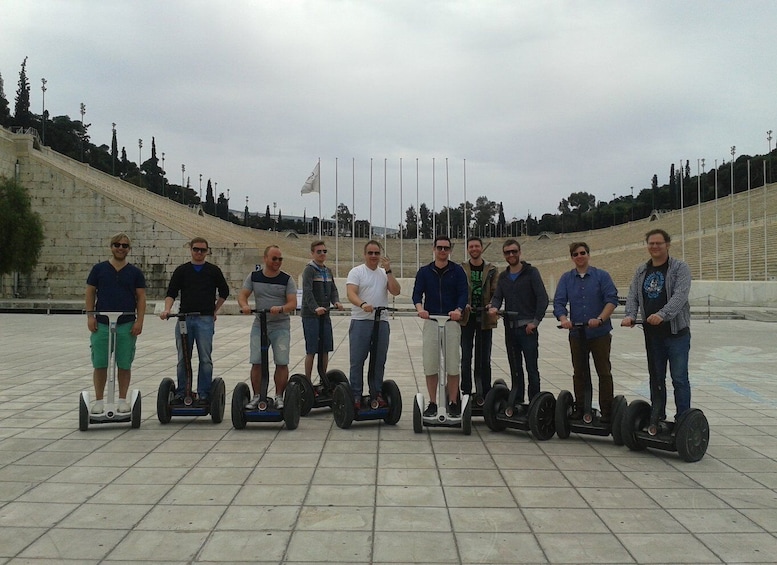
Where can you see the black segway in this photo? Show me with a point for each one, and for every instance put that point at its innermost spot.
(591, 422)
(166, 405)
(319, 395)
(344, 410)
(641, 427)
(265, 410)
(110, 414)
(443, 417)
(502, 410)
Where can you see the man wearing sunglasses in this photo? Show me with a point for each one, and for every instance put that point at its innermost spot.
(441, 289)
(587, 295)
(319, 292)
(521, 289)
(115, 285)
(197, 282)
(275, 291)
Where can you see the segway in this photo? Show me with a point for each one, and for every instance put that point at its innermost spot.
(591, 422)
(265, 410)
(689, 435)
(166, 405)
(319, 395)
(478, 399)
(502, 410)
(344, 410)
(443, 417)
(110, 414)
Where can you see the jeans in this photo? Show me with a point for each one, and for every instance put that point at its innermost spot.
(200, 330)
(360, 334)
(599, 348)
(673, 350)
(469, 337)
(519, 345)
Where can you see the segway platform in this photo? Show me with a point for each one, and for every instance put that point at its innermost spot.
(345, 412)
(190, 406)
(593, 425)
(689, 436)
(266, 411)
(538, 416)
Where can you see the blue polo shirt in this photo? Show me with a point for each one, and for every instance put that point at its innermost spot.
(586, 297)
(116, 290)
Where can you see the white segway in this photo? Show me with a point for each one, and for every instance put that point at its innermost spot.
(443, 418)
(110, 414)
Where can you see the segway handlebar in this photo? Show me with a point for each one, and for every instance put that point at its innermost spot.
(182, 315)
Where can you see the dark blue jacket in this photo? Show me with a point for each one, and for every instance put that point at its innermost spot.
(444, 293)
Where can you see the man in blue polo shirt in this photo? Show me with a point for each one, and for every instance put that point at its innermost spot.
(592, 297)
(115, 285)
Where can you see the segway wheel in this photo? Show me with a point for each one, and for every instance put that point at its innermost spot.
(418, 422)
(342, 406)
(692, 435)
(292, 406)
(83, 414)
(164, 397)
(496, 402)
(136, 413)
(218, 393)
(618, 410)
(336, 376)
(307, 395)
(240, 397)
(542, 416)
(499, 381)
(392, 395)
(466, 420)
(564, 404)
(635, 417)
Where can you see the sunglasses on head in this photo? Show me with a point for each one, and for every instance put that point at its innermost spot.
(122, 245)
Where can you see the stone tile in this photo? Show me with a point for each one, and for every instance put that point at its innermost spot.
(281, 476)
(563, 520)
(644, 520)
(499, 548)
(340, 495)
(59, 492)
(271, 494)
(331, 518)
(15, 539)
(331, 546)
(197, 495)
(471, 477)
(668, 548)
(106, 516)
(485, 496)
(583, 548)
(484, 520)
(616, 498)
(534, 497)
(415, 477)
(410, 496)
(416, 547)
(258, 517)
(411, 519)
(685, 498)
(723, 521)
(181, 518)
(157, 546)
(59, 543)
(34, 514)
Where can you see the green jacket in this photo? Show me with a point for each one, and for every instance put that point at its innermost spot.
(490, 276)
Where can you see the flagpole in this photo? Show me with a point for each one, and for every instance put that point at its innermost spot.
(417, 220)
(370, 199)
(749, 230)
(337, 226)
(717, 250)
(465, 222)
(401, 235)
(353, 212)
(320, 218)
(448, 197)
(682, 208)
(434, 205)
(385, 202)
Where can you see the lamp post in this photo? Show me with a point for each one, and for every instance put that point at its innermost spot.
(226, 210)
(183, 170)
(699, 162)
(632, 203)
(275, 219)
(731, 199)
(613, 209)
(164, 179)
(140, 160)
(200, 188)
(43, 113)
(769, 154)
(83, 130)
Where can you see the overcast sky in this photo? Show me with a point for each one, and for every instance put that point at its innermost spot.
(540, 98)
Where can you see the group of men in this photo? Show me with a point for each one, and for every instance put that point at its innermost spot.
(471, 295)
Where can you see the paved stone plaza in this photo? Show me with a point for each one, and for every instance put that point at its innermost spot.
(194, 492)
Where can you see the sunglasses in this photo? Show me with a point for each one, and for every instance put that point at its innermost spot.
(321, 251)
(276, 259)
(122, 245)
(510, 252)
(373, 252)
(576, 253)
(443, 248)
(200, 249)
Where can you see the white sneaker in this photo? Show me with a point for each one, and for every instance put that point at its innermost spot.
(279, 402)
(97, 407)
(254, 402)
(123, 406)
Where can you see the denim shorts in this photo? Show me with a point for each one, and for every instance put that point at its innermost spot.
(279, 341)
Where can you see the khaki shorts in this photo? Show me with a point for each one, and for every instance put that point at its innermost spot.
(431, 348)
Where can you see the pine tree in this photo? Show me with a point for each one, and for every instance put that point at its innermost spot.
(210, 202)
(114, 152)
(5, 111)
(22, 115)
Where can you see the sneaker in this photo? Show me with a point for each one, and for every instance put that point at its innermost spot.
(254, 402)
(97, 407)
(431, 410)
(381, 401)
(454, 410)
(357, 403)
(123, 406)
(278, 401)
(203, 401)
(177, 401)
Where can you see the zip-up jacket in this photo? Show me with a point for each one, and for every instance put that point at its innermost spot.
(525, 295)
(318, 289)
(488, 284)
(677, 310)
(441, 294)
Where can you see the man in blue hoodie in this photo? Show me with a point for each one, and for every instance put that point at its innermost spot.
(441, 289)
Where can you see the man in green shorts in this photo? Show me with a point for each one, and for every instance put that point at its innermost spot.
(115, 285)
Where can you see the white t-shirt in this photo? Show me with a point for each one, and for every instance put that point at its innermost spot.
(373, 289)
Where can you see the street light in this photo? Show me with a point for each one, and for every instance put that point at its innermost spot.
(83, 130)
(140, 160)
(769, 154)
(200, 187)
(113, 156)
(733, 256)
(164, 179)
(183, 170)
(43, 114)
(613, 209)
(632, 203)
(226, 212)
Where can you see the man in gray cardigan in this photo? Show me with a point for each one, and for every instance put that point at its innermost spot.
(659, 295)
(318, 293)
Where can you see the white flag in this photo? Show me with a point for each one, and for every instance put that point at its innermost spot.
(313, 184)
